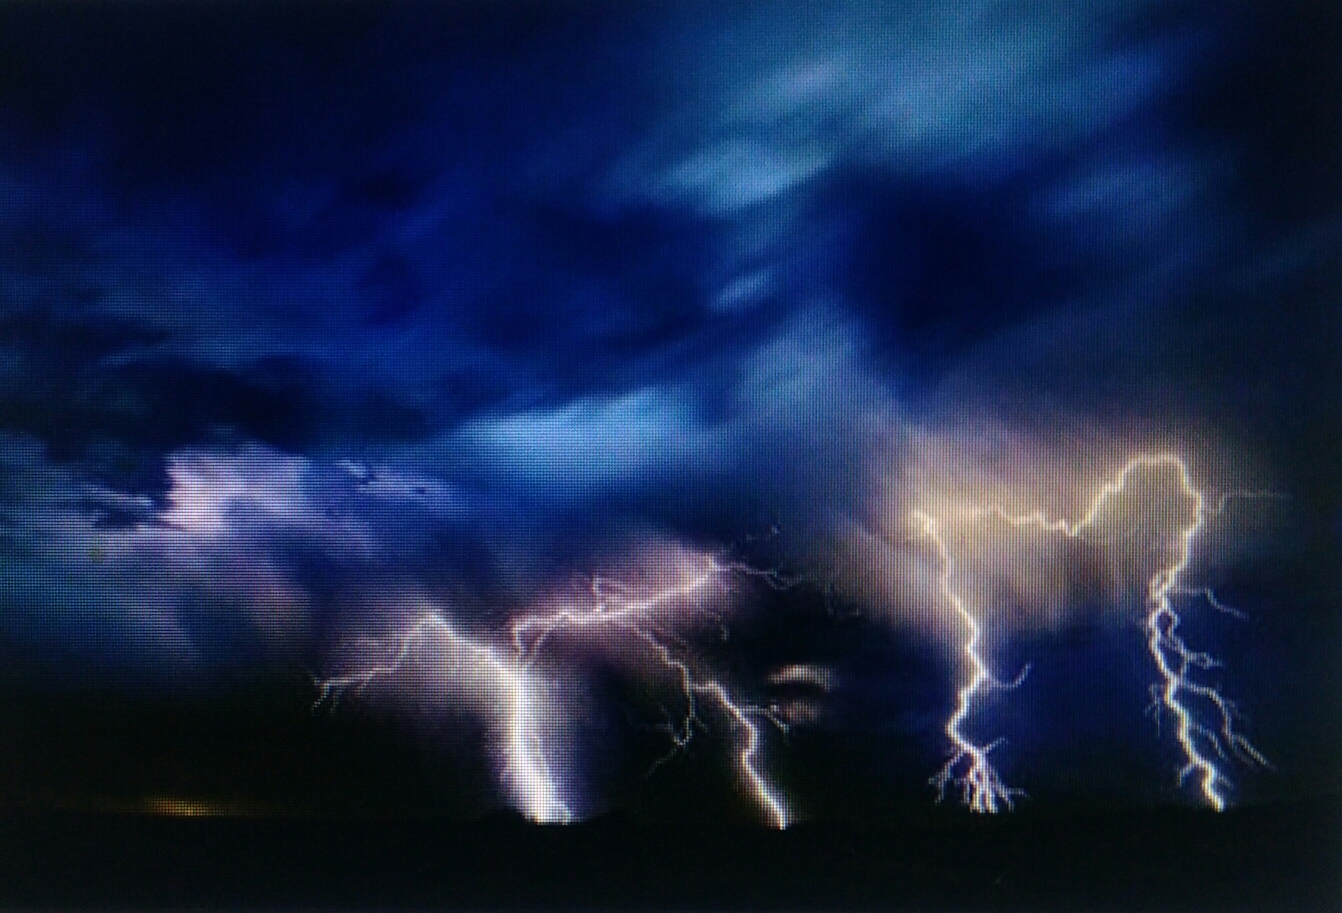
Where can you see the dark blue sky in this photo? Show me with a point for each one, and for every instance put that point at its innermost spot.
(305, 301)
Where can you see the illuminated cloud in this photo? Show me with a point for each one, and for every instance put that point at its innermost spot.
(221, 559)
(168, 590)
(1001, 569)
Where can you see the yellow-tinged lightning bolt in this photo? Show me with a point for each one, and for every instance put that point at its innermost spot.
(982, 788)
(642, 613)
(526, 770)
(1189, 701)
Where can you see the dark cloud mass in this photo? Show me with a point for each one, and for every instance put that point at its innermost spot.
(314, 314)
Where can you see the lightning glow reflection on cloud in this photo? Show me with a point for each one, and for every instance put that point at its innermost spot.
(1205, 720)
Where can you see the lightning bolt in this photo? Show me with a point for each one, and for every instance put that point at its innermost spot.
(981, 787)
(1205, 721)
(650, 614)
(642, 613)
(526, 771)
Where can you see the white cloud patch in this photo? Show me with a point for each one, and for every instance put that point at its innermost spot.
(916, 89)
(806, 388)
(595, 439)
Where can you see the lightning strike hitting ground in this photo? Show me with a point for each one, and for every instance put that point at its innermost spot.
(642, 613)
(526, 770)
(687, 589)
(981, 787)
(1205, 720)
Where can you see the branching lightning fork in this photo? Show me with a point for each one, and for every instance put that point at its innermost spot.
(614, 608)
(1205, 720)
(981, 787)
(646, 613)
(526, 769)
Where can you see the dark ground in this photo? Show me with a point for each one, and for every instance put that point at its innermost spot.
(1263, 858)
(302, 810)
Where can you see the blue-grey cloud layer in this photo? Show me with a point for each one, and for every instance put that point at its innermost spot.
(462, 293)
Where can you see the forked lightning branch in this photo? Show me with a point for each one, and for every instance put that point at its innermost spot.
(1205, 721)
(648, 618)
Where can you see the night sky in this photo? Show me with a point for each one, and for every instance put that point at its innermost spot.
(322, 321)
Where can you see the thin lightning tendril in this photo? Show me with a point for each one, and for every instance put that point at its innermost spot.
(1203, 743)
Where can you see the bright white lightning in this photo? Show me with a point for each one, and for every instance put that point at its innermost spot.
(526, 770)
(981, 787)
(615, 609)
(651, 614)
(1190, 702)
